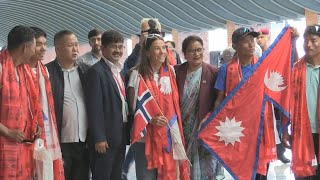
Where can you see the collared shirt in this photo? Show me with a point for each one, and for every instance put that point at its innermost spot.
(74, 118)
(89, 58)
(116, 68)
(312, 82)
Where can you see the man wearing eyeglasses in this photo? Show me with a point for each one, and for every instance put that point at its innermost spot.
(95, 54)
(305, 116)
(18, 122)
(107, 110)
(67, 77)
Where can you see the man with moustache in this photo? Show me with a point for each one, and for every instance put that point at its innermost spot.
(107, 110)
(67, 78)
(47, 117)
(95, 54)
(18, 122)
(304, 138)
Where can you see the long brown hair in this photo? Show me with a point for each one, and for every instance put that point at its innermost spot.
(144, 67)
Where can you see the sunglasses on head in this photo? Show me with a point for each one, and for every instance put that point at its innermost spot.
(246, 30)
(315, 29)
(151, 36)
(151, 31)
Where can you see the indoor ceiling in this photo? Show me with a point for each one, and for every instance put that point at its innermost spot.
(125, 15)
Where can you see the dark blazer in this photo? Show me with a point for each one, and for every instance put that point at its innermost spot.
(104, 106)
(57, 86)
(207, 93)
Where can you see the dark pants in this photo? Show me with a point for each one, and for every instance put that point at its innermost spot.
(75, 161)
(128, 160)
(316, 150)
(108, 166)
(142, 172)
(262, 177)
(280, 148)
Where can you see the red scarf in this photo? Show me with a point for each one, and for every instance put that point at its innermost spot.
(267, 146)
(17, 112)
(302, 141)
(58, 170)
(234, 73)
(156, 137)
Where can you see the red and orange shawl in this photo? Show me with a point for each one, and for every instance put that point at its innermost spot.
(18, 111)
(267, 146)
(302, 142)
(57, 164)
(156, 137)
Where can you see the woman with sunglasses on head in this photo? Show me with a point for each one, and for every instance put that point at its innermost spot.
(195, 80)
(154, 152)
(304, 140)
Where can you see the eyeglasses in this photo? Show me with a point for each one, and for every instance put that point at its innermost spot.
(193, 51)
(115, 47)
(29, 141)
(151, 36)
(313, 29)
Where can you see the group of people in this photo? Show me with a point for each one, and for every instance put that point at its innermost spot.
(84, 107)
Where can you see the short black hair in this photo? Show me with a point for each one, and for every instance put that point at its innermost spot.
(60, 35)
(19, 35)
(111, 36)
(172, 43)
(189, 40)
(94, 32)
(39, 32)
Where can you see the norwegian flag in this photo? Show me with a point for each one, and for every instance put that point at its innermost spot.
(233, 132)
(146, 108)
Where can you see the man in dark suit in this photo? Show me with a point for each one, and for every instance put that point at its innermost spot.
(107, 110)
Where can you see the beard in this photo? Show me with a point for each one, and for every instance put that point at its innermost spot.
(96, 49)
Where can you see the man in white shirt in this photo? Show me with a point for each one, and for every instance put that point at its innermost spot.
(68, 82)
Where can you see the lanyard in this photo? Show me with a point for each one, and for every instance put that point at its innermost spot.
(120, 85)
(318, 104)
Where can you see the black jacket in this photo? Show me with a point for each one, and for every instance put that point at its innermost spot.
(57, 85)
(104, 106)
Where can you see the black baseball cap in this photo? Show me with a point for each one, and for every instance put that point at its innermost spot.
(242, 32)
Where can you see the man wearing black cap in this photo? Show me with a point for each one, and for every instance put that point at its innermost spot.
(243, 41)
(305, 116)
(244, 44)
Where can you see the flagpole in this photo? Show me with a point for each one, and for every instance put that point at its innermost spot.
(171, 130)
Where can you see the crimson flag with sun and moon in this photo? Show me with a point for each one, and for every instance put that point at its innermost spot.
(233, 131)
